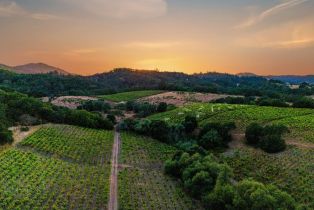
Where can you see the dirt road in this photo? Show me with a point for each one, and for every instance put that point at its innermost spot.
(113, 197)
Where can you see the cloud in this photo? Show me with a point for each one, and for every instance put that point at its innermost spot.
(42, 16)
(9, 9)
(270, 12)
(12, 9)
(291, 35)
(152, 45)
(122, 9)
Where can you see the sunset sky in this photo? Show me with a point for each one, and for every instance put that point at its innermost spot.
(89, 36)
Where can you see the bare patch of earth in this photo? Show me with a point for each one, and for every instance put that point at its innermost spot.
(71, 102)
(182, 98)
(19, 135)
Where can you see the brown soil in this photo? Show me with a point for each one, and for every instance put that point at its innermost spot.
(71, 102)
(19, 135)
(113, 198)
(182, 98)
(300, 144)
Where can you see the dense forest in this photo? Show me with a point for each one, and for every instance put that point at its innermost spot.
(120, 80)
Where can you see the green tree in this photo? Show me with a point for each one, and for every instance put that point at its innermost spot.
(253, 134)
(211, 140)
(190, 123)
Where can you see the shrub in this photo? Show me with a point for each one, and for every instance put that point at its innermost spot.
(111, 118)
(159, 130)
(190, 123)
(162, 107)
(304, 103)
(268, 138)
(222, 128)
(6, 136)
(221, 198)
(211, 140)
(24, 129)
(253, 134)
(272, 143)
(254, 195)
(97, 105)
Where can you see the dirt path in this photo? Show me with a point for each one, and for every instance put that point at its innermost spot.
(300, 144)
(113, 197)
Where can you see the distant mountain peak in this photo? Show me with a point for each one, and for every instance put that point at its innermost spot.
(38, 68)
(34, 68)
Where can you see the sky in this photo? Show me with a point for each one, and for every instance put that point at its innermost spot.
(90, 36)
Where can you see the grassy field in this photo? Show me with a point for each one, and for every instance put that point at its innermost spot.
(291, 170)
(129, 96)
(58, 167)
(142, 184)
(299, 121)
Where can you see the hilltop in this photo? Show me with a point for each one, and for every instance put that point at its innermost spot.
(34, 68)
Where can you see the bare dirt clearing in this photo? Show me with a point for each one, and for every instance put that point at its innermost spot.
(71, 102)
(19, 135)
(182, 98)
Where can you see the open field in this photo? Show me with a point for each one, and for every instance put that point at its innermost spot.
(291, 170)
(299, 121)
(142, 184)
(181, 98)
(129, 96)
(57, 167)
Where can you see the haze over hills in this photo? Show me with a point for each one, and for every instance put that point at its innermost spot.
(34, 68)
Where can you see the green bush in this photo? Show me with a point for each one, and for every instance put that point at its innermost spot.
(268, 138)
(190, 123)
(6, 136)
(211, 140)
(162, 107)
(255, 195)
(272, 143)
(97, 105)
(253, 134)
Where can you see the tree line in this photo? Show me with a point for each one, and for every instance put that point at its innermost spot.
(19, 109)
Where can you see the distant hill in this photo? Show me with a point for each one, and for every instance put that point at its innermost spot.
(294, 79)
(38, 68)
(6, 67)
(247, 74)
(34, 68)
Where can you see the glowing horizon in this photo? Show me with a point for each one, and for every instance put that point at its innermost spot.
(271, 37)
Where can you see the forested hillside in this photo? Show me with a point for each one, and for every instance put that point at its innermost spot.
(120, 80)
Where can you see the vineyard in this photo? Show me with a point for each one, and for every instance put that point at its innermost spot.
(81, 145)
(292, 170)
(299, 121)
(129, 96)
(49, 171)
(142, 184)
(202, 111)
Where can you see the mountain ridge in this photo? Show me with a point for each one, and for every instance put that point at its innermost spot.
(34, 68)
